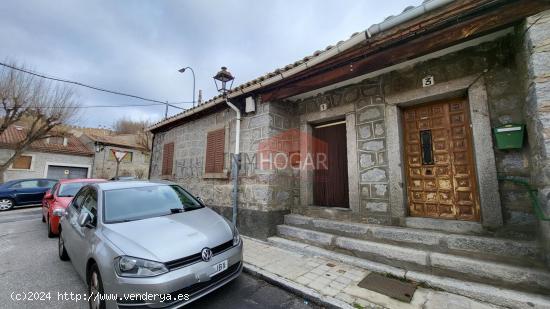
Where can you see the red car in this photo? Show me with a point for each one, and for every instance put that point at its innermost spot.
(58, 198)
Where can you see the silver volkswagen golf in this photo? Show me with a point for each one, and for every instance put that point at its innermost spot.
(141, 244)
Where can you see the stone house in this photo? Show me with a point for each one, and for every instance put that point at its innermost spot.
(382, 148)
(55, 157)
(135, 163)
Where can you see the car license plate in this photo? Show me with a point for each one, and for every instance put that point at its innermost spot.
(218, 268)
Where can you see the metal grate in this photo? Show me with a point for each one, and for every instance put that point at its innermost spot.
(393, 288)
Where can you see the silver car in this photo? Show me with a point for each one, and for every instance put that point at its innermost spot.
(141, 244)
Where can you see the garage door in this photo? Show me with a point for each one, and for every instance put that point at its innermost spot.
(70, 172)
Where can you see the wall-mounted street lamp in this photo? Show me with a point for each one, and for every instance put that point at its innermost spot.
(221, 79)
(191, 69)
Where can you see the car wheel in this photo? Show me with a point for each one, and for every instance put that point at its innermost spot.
(6, 204)
(49, 226)
(95, 288)
(61, 248)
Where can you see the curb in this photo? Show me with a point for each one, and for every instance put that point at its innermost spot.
(295, 288)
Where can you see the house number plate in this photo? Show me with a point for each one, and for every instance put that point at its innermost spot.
(428, 81)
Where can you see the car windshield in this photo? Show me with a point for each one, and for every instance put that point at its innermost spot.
(122, 205)
(70, 189)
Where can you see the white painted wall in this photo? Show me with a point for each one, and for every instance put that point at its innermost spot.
(40, 161)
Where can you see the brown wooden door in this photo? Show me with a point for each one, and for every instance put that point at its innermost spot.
(441, 181)
(330, 177)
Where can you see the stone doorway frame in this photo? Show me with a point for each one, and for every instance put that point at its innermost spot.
(307, 122)
(473, 87)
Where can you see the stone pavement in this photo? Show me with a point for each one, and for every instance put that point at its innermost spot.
(334, 284)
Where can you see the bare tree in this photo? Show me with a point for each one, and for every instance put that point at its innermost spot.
(17, 91)
(128, 126)
(40, 106)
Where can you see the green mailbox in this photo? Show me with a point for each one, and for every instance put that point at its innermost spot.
(509, 136)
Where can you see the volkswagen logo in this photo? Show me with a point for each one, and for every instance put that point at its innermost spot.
(206, 254)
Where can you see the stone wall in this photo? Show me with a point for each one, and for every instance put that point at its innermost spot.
(494, 62)
(372, 154)
(264, 195)
(366, 103)
(105, 167)
(536, 55)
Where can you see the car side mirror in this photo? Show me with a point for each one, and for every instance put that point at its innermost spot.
(48, 195)
(85, 220)
(200, 199)
(59, 212)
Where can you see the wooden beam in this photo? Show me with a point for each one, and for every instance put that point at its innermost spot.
(424, 44)
(406, 29)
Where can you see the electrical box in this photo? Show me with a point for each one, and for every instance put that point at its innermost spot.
(509, 136)
(250, 105)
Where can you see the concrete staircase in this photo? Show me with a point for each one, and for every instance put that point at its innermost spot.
(499, 271)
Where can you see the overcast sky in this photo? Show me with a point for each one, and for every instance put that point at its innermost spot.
(138, 46)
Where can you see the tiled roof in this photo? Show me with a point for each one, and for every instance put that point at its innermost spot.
(308, 61)
(16, 134)
(121, 140)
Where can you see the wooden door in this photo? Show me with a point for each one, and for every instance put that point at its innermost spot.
(441, 181)
(330, 177)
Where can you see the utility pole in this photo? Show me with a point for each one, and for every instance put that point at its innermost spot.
(166, 111)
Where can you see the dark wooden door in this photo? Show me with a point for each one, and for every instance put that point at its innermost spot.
(330, 177)
(441, 181)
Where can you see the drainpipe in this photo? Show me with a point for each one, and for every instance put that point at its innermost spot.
(235, 161)
(151, 157)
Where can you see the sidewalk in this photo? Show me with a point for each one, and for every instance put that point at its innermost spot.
(334, 284)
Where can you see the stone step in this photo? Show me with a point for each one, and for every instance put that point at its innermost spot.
(466, 268)
(508, 298)
(522, 252)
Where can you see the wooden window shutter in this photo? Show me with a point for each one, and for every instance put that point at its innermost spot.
(167, 159)
(215, 148)
(22, 162)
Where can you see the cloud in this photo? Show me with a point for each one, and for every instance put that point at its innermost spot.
(138, 46)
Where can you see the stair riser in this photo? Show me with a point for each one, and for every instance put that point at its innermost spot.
(487, 293)
(445, 243)
(412, 259)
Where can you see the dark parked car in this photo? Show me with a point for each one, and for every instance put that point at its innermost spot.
(24, 192)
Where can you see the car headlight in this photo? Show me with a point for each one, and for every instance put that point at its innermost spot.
(127, 266)
(236, 237)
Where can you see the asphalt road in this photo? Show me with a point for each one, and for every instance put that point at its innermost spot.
(29, 265)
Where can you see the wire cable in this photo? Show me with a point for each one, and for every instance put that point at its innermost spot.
(94, 88)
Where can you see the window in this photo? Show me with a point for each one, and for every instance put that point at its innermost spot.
(56, 140)
(26, 184)
(427, 151)
(22, 163)
(167, 158)
(215, 146)
(127, 157)
(146, 202)
(90, 205)
(70, 189)
(43, 183)
(79, 199)
(54, 189)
